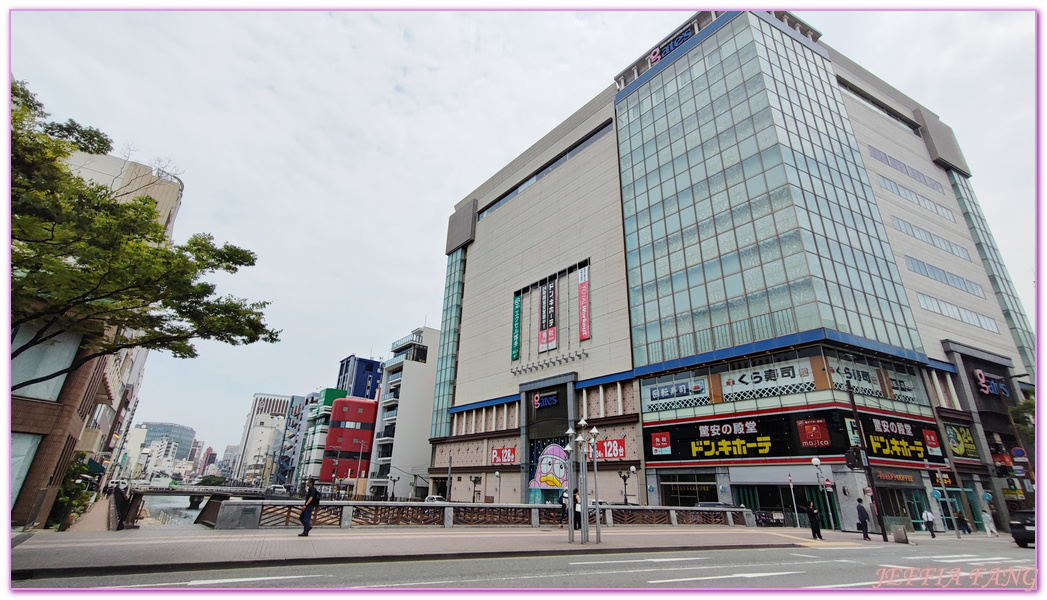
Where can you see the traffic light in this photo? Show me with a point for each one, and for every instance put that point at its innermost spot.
(854, 458)
(1012, 484)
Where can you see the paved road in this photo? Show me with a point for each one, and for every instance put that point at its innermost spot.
(928, 564)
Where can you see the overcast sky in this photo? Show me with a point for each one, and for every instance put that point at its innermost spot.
(335, 145)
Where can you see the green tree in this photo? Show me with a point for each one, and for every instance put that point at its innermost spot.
(73, 496)
(86, 262)
(212, 480)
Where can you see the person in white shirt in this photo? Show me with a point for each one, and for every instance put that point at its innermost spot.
(990, 526)
(928, 521)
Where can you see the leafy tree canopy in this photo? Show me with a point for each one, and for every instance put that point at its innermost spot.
(86, 262)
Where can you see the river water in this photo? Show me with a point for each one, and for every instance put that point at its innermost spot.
(168, 510)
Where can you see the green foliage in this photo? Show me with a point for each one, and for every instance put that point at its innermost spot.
(1024, 416)
(86, 262)
(212, 480)
(73, 497)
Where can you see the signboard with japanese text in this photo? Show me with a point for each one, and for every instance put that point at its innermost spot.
(517, 302)
(607, 449)
(583, 303)
(550, 323)
(543, 318)
(804, 434)
(899, 438)
(873, 381)
(503, 456)
(776, 379)
(682, 392)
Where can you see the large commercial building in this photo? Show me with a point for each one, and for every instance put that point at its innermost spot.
(180, 434)
(260, 443)
(746, 253)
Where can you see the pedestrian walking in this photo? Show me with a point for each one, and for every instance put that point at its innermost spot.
(812, 516)
(312, 500)
(965, 525)
(928, 521)
(990, 526)
(565, 499)
(863, 520)
(577, 510)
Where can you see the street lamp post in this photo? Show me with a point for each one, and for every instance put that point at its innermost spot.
(596, 482)
(570, 497)
(625, 484)
(817, 462)
(359, 458)
(476, 479)
(334, 477)
(792, 493)
(392, 488)
(582, 487)
(498, 485)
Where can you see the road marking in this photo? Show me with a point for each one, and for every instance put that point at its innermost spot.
(805, 555)
(208, 581)
(941, 556)
(735, 575)
(619, 562)
(975, 556)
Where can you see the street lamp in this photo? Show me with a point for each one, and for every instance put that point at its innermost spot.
(498, 480)
(392, 488)
(476, 479)
(596, 481)
(817, 462)
(625, 480)
(570, 497)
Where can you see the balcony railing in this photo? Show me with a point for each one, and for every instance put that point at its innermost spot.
(414, 338)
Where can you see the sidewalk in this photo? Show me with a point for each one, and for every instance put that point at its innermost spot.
(173, 548)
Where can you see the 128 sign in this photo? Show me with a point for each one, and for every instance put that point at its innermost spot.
(503, 456)
(608, 449)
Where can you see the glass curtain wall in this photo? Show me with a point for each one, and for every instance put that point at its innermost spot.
(748, 214)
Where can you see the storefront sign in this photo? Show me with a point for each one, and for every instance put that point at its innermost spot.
(583, 303)
(547, 316)
(678, 394)
(931, 442)
(936, 481)
(903, 439)
(660, 445)
(608, 449)
(991, 386)
(517, 302)
(813, 433)
(778, 379)
(503, 456)
(659, 53)
(543, 400)
(895, 477)
(961, 441)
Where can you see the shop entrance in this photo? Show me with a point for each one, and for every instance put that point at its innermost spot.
(688, 489)
(901, 506)
(772, 505)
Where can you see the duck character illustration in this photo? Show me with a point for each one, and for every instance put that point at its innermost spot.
(551, 471)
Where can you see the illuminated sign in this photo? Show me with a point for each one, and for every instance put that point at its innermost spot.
(583, 303)
(543, 400)
(961, 441)
(813, 433)
(889, 476)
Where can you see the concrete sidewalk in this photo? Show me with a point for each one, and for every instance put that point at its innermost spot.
(172, 548)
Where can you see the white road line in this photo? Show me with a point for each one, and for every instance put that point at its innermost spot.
(940, 556)
(805, 555)
(643, 560)
(870, 583)
(968, 559)
(733, 576)
(207, 581)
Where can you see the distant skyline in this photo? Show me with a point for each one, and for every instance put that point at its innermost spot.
(335, 145)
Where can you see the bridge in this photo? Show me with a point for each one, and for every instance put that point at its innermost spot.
(128, 504)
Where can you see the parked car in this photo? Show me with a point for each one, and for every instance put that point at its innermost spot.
(1023, 527)
(435, 499)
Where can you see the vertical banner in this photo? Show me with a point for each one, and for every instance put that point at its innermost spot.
(551, 297)
(543, 318)
(583, 303)
(517, 301)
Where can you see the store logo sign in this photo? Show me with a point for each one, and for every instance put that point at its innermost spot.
(991, 387)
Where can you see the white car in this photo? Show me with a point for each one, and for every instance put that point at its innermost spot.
(435, 499)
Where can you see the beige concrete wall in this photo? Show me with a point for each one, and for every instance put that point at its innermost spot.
(872, 127)
(132, 180)
(570, 215)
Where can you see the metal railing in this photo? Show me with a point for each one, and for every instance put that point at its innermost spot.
(237, 514)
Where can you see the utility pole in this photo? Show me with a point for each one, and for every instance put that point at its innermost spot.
(865, 462)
